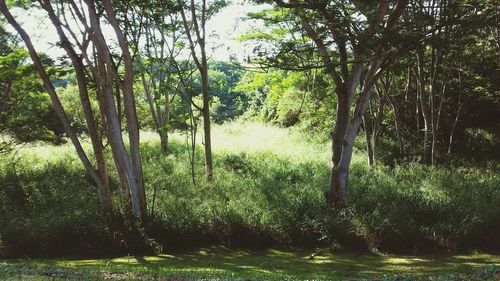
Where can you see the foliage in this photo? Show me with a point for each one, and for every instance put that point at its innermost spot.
(442, 58)
(27, 112)
(259, 198)
(290, 98)
(223, 78)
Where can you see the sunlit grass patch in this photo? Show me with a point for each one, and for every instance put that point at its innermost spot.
(216, 263)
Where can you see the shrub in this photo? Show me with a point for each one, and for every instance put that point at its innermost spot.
(258, 198)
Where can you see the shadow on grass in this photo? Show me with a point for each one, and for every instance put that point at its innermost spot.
(281, 264)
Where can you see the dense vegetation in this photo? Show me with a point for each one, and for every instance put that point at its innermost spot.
(263, 195)
(350, 125)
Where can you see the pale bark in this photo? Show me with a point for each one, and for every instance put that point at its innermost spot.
(369, 135)
(104, 190)
(101, 74)
(138, 194)
(160, 115)
(341, 171)
(452, 131)
(346, 84)
(396, 125)
(107, 75)
(49, 87)
(424, 105)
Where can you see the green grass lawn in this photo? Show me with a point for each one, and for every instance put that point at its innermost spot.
(220, 263)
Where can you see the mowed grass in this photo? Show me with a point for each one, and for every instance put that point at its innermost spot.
(220, 263)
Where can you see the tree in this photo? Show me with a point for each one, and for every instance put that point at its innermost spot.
(432, 84)
(195, 30)
(106, 76)
(104, 194)
(355, 42)
(154, 27)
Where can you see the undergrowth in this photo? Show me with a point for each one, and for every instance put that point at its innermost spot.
(268, 190)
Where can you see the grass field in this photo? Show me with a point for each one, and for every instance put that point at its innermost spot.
(268, 192)
(220, 263)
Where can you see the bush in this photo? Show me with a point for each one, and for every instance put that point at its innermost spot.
(258, 198)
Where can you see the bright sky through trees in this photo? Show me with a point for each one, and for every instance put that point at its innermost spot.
(224, 29)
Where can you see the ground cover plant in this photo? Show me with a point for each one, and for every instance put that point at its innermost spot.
(259, 198)
(220, 263)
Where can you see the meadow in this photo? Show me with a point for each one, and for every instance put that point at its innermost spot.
(264, 214)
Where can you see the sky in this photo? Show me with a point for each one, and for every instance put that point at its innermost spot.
(226, 26)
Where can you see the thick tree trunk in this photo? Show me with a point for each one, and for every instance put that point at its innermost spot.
(163, 140)
(335, 195)
(106, 73)
(115, 150)
(115, 139)
(104, 190)
(339, 176)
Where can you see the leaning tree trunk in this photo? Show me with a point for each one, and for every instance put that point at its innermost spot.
(107, 77)
(104, 190)
(49, 87)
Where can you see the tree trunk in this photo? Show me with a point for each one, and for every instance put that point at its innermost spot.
(423, 102)
(137, 190)
(206, 124)
(396, 125)
(49, 87)
(104, 190)
(4, 106)
(163, 140)
(155, 109)
(106, 74)
(334, 194)
(452, 131)
(200, 32)
(339, 176)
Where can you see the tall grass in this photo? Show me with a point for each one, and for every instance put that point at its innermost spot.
(268, 190)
